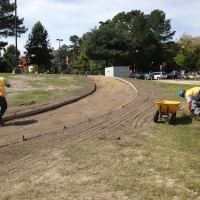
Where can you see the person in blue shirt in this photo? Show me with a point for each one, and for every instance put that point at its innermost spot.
(150, 74)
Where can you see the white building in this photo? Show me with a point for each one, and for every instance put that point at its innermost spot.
(118, 71)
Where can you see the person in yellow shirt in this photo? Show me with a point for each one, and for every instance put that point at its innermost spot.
(189, 95)
(3, 102)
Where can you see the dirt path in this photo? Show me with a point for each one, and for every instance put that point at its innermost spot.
(111, 94)
(115, 106)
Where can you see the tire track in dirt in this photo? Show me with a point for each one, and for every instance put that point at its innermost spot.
(138, 112)
(108, 97)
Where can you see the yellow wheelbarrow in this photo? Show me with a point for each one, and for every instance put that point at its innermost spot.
(167, 110)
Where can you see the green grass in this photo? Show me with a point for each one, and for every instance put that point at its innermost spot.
(36, 96)
(41, 87)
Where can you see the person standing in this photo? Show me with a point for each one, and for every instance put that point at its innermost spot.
(182, 74)
(86, 73)
(150, 75)
(175, 75)
(3, 102)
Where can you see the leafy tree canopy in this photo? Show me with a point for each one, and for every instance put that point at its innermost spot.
(119, 39)
(62, 52)
(7, 22)
(189, 47)
(10, 58)
(159, 26)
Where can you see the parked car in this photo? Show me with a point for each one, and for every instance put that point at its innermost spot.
(147, 77)
(135, 75)
(198, 76)
(185, 77)
(141, 76)
(191, 76)
(169, 76)
(159, 75)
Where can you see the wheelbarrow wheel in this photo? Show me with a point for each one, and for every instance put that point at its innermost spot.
(175, 116)
(155, 117)
(172, 117)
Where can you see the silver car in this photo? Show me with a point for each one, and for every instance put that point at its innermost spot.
(198, 76)
(159, 75)
(191, 76)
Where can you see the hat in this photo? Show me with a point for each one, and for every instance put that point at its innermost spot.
(181, 93)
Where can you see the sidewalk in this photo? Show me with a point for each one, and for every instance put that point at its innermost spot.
(189, 82)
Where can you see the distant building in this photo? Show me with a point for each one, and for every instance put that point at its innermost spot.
(118, 71)
(24, 63)
(54, 52)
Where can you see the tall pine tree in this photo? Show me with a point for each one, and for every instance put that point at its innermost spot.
(7, 22)
(38, 48)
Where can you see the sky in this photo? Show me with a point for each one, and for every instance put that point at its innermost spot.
(65, 18)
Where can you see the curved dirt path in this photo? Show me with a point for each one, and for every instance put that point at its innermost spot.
(111, 94)
(114, 107)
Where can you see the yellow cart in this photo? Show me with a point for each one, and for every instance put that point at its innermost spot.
(166, 109)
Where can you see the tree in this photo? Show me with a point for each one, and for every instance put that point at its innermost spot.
(189, 46)
(170, 51)
(62, 52)
(75, 40)
(180, 60)
(7, 22)
(133, 24)
(83, 63)
(75, 49)
(159, 26)
(10, 58)
(130, 38)
(106, 43)
(95, 66)
(4, 66)
(38, 48)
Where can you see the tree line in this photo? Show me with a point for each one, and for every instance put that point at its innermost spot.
(141, 41)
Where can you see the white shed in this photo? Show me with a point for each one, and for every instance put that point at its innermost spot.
(118, 71)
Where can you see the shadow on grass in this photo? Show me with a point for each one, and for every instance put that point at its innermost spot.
(21, 123)
(181, 120)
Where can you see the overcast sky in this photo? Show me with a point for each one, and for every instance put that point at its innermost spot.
(64, 18)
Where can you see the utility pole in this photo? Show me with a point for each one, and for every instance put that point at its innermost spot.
(16, 57)
(59, 48)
